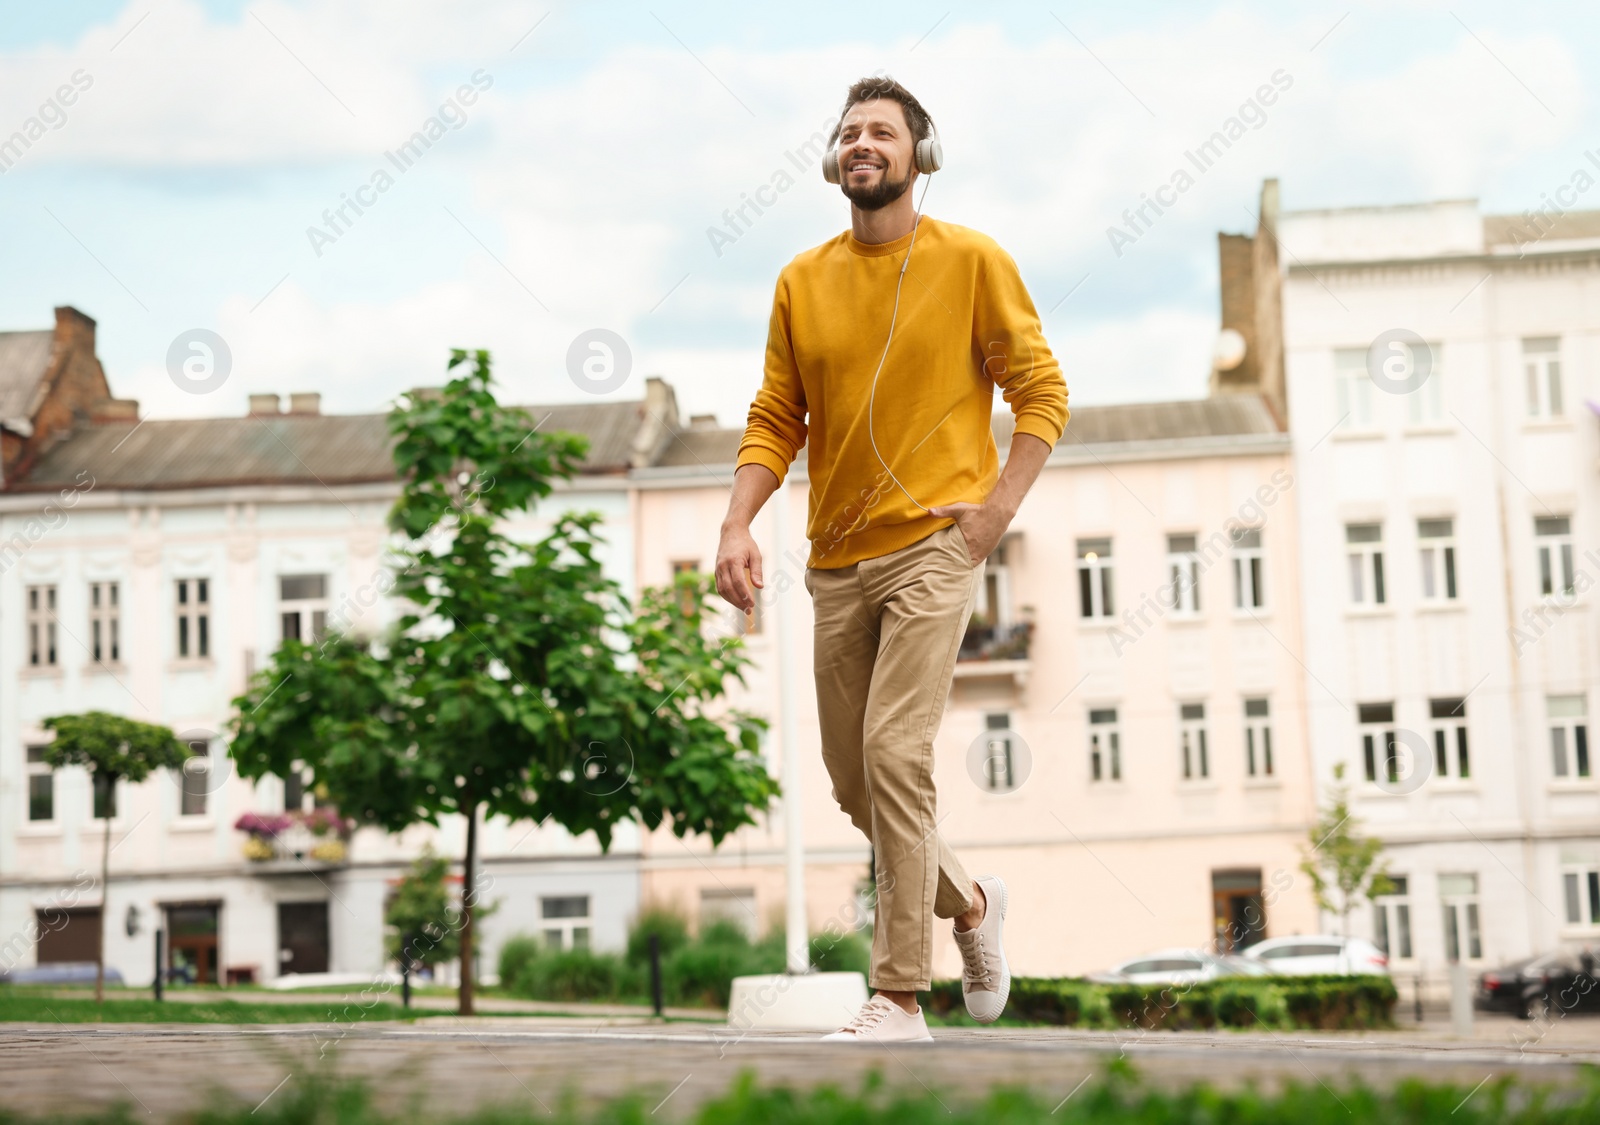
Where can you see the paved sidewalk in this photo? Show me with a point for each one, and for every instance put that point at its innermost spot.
(453, 1064)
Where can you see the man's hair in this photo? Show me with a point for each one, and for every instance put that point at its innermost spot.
(882, 86)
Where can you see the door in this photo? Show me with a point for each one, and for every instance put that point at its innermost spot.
(68, 935)
(302, 937)
(192, 942)
(1236, 904)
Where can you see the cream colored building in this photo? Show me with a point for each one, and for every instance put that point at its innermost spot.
(1158, 780)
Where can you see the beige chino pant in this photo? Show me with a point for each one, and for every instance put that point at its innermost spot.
(887, 633)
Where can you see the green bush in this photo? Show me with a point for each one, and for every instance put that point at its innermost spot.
(670, 927)
(1332, 1003)
(702, 971)
(581, 974)
(515, 956)
(849, 952)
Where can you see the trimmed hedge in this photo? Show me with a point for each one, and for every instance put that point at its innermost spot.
(1329, 1003)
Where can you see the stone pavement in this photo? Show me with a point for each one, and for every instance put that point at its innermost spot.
(452, 1064)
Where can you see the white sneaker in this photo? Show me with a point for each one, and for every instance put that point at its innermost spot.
(985, 976)
(881, 1020)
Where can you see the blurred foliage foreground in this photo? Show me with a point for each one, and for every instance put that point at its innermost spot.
(1117, 1095)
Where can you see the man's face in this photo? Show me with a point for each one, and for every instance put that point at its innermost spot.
(875, 153)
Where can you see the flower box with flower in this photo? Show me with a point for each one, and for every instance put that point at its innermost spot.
(263, 830)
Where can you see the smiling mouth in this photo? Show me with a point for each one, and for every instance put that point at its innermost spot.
(865, 166)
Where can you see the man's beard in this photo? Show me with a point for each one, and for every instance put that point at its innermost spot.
(875, 198)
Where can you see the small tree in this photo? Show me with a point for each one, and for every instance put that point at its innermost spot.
(425, 924)
(112, 749)
(519, 681)
(1342, 864)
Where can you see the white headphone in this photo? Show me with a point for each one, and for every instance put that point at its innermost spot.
(929, 159)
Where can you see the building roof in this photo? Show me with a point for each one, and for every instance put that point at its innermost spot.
(1219, 417)
(285, 449)
(24, 358)
(1512, 230)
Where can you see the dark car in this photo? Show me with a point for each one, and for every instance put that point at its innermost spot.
(1558, 982)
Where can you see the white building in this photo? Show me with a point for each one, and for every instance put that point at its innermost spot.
(147, 568)
(1443, 372)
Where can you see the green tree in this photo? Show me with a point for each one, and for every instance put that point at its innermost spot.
(112, 748)
(424, 923)
(1342, 864)
(520, 682)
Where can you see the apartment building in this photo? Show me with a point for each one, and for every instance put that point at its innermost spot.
(1443, 371)
(148, 567)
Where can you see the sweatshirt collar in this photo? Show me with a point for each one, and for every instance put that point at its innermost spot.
(880, 249)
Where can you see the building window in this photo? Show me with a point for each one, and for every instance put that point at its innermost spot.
(1437, 542)
(1581, 886)
(1391, 920)
(1450, 755)
(299, 792)
(303, 607)
(686, 593)
(41, 786)
(1459, 896)
(1541, 363)
(999, 766)
(194, 619)
(732, 905)
(1553, 534)
(1183, 571)
(1257, 738)
(1094, 578)
(1192, 741)
(1105, 745)
(1248, 592)
(105, 624)
(1364, 543)
(1569, 735)
(1424, 404)
(565, 922)
(1355, 388)
(103, 798)
(42, 626)
(1378, 750)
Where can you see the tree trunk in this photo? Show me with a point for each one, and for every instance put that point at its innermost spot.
(468, 882)
(105, 897)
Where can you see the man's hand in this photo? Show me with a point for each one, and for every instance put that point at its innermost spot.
(737, 553)
(981, 525)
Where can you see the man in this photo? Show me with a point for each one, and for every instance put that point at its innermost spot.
(888, 368)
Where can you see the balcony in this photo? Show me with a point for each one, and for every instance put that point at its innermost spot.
(990, 651)
(292, 843)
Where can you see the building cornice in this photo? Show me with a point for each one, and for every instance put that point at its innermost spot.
(1507, 259)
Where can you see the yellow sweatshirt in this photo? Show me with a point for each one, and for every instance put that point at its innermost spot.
(966, 326)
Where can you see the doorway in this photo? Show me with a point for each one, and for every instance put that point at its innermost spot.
(192, 942)
(302, 937)
(1236, 905)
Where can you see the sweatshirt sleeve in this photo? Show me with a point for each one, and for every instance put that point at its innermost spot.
(776, 429)
(1010, 341)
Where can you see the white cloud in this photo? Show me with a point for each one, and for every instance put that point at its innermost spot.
(596, 190)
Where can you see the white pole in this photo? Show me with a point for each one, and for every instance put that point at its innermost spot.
(797, 945)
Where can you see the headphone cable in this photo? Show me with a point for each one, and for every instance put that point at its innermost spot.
(893, 317)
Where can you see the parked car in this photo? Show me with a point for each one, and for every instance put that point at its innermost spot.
(59, 972)
(1177, 966)
(1562, 981)
(1318, 954)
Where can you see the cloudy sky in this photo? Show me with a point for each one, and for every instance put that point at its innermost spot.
(205, 140)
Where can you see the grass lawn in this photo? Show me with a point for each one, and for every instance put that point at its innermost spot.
(32, 1007)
